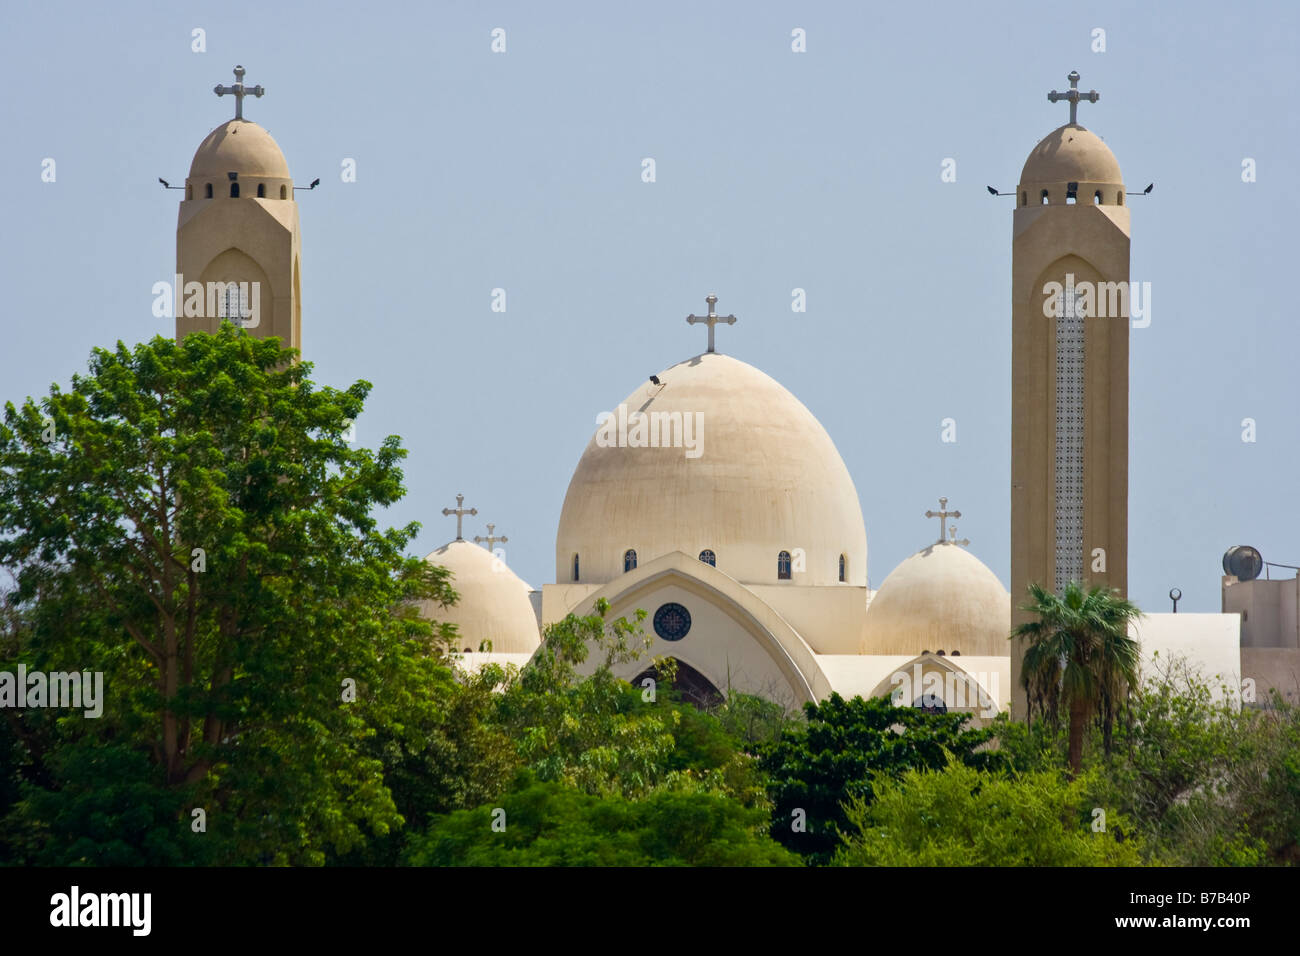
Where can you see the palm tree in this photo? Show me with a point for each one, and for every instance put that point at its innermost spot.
(1079, 657)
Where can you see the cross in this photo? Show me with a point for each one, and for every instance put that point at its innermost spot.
(491, 538)
(712, 318)
(942, 514)
(1073, 95)
(952, 536)
(239, 91)
(460, 513)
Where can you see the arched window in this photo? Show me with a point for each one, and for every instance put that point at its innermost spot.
(629, 560)
(575, 567)
(783, 566)
(234, 190)
(1119, 198)
(207, 191)
(284, 192)
(709, 558)
(1096, 198)
(189, 191)
(955, 654)
(844, 567)
(1024, 199)
(1044, 202)
(261, 190)
(940, 653)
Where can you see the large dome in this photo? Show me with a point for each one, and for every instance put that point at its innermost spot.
(940, 599)
(764, 478)
(238, 146)
(1071, 154)
(493, 603)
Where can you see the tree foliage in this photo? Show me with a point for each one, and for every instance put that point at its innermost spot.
(817, 766)
(189, 520)
(551, 824)
(961, 816)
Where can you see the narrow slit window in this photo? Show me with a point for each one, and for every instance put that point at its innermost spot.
(783, 566)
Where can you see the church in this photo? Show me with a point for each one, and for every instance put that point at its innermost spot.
(711, 497)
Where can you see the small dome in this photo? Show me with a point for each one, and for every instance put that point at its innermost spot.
(940, 599)
(493, 603)
(1071, 154)
(764, 480)
(238, 146)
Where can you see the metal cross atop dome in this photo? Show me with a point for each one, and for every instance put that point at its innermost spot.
(712, 318)
(942, 514)
(491, 538)
(460, 512)
(1073, 95)
(239, 91)
(952, 536)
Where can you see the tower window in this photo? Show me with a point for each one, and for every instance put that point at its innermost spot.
(783, 566)
(1119, 198)
(235, 305)
(575, 568)
(1044, 202)
(1096, 198)
(940, 653)
(629, 560)
(284, 192)
(709, 558)
(955, 654)
(261, 190)
(1024, 199)
(189, 191)
(1071, 194)
(844, 567)
(207, 191)
(234, 190)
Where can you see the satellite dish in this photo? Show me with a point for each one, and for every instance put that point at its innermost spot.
(1243, 561)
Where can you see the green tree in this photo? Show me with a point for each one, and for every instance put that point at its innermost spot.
(960, 816)
(190, 520)
(550, 824)
(1079, 658)
(576, 723)
(818, 765)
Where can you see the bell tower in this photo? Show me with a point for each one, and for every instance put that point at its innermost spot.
(238, 244)
(1069, 369)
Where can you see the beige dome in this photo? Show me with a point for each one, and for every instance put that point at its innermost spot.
(940, 599)
(493, 603)
(1071, 154)
(765, 478)
(238, 146)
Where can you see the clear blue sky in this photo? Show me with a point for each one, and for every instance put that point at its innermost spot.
(775, 170)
